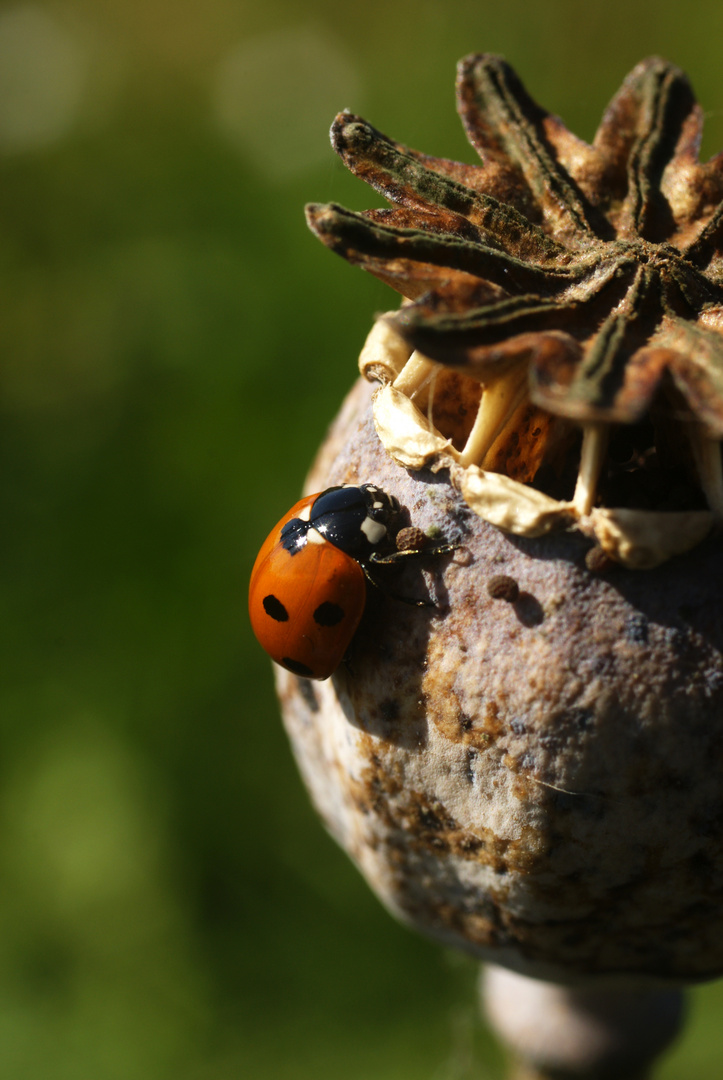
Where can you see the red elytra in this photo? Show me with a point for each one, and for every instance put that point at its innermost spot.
(305, 607)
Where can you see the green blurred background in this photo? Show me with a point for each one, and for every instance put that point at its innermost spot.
(174, 343)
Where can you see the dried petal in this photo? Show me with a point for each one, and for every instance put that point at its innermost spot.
(511, 506)
(404, 432)
(644, 541)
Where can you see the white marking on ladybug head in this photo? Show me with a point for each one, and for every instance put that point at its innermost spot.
(373, 530)
(305, 514)
(314, 537)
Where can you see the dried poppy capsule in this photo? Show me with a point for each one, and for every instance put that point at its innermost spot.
(539, 782)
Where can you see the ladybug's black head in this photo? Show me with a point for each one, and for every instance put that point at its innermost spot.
(354, 519)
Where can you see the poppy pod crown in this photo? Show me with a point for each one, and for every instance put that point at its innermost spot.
(560, 348)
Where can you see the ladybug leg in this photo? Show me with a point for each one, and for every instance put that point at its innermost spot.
(399, 556)
(396, 596)
(396, 557)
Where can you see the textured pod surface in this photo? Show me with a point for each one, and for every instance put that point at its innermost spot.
(536, 780)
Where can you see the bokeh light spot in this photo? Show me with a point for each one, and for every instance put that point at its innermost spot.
(275, 95)
(42, 74)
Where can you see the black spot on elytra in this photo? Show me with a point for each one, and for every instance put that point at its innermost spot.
(328, 614)
(297, 667)
(275, 609)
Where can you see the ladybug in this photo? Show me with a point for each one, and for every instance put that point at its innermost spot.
(309, 582)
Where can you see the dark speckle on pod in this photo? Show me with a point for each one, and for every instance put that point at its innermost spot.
(503, 587)
(597, 560)
(636, 629)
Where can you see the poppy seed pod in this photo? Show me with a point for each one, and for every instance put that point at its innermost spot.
(529, 768)
(536, 780)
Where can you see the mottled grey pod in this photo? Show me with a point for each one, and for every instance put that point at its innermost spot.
(539, 781)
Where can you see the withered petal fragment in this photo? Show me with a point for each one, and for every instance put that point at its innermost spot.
(644, 542)
(403, 431)
(510, 505)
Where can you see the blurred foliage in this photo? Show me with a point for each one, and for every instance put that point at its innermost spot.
(174, 344)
